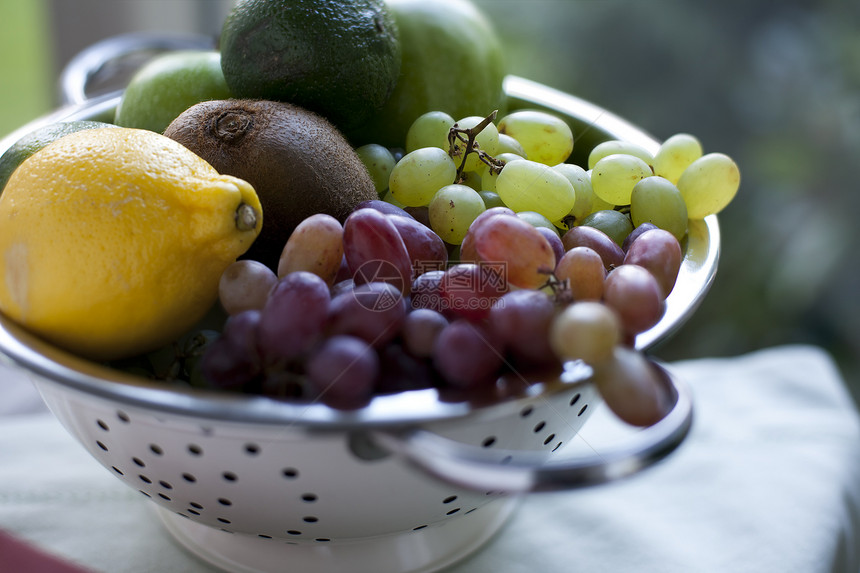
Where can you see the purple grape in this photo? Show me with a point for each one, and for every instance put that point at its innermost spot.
(467, 355)
(426, 291)
(634, 234)
(469, 290)
(232, 361)
(400, 371)
(554, 241)
(426, 250)
(342, 372)
(374, 250)
(373, 312)
(294, 317)
(420, 330)
(383, 207)
(522, 320)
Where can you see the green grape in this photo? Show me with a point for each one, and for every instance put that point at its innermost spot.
(615, 224)
(508, 144)
(614, 176)
(586, 330)
(491, 199)
(527, 185)
(656, 200)
(675, 155)
(389, 198)
(545, 138)
(613, 146)
(581, 181)
(709, 184)
(472, 179)
(537, 220)
(488, 176)
(429, 130)
(419, 174)
(379, 162)
(487, 140)
(452, 210)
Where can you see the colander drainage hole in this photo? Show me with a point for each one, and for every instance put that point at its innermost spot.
(581, 412)
(195, 450)
(290, 473)
(548, 439)
(540, 426)
(101, 445)
(252, 449)
(418, 528)
(229, 476)
(310, 519)
(156, 449)
(103, 425)
(293, 532)
(223, 520)
(449, 499)
(225, 502)
(117, 470)
(575, 399)
(144, 479)
(165, 484)
(309, 497)
(122, 417)
(526, 412)
(489, 441)
(164, 497)
(189, 478)
(138, 462)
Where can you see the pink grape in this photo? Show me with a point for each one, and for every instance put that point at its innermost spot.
(315, 245)
(467, 355)
(293, 318)
(659, 252)
(634, 293)
(342, 372)
(245, 285)
(467, 247)
(583, 269)
(373, 312)
(374, 250)
(526, 255)
(631, 388)
(597, 240)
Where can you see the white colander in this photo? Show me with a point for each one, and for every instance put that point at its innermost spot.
(410, 483)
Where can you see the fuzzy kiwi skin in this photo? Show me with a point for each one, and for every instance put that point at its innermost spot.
(296, 160)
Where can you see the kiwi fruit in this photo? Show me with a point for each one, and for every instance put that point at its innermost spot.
(296, 160)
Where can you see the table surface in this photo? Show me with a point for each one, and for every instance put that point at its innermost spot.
(767, 480)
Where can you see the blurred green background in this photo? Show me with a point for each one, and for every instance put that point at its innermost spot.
(775, 85)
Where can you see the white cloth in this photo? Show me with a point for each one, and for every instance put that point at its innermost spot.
(768, 480)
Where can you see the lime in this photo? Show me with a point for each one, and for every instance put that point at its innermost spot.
(36, 140)
(168, 85)
(452, 62)
(339, 58)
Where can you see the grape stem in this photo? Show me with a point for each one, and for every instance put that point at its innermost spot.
(466, 137)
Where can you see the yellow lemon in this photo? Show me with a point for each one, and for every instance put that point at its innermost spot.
(113, 240)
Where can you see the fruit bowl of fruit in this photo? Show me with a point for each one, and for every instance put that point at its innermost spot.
(379, 388)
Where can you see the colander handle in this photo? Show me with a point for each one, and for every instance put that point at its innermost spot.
(111, 57)
(480, 469)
